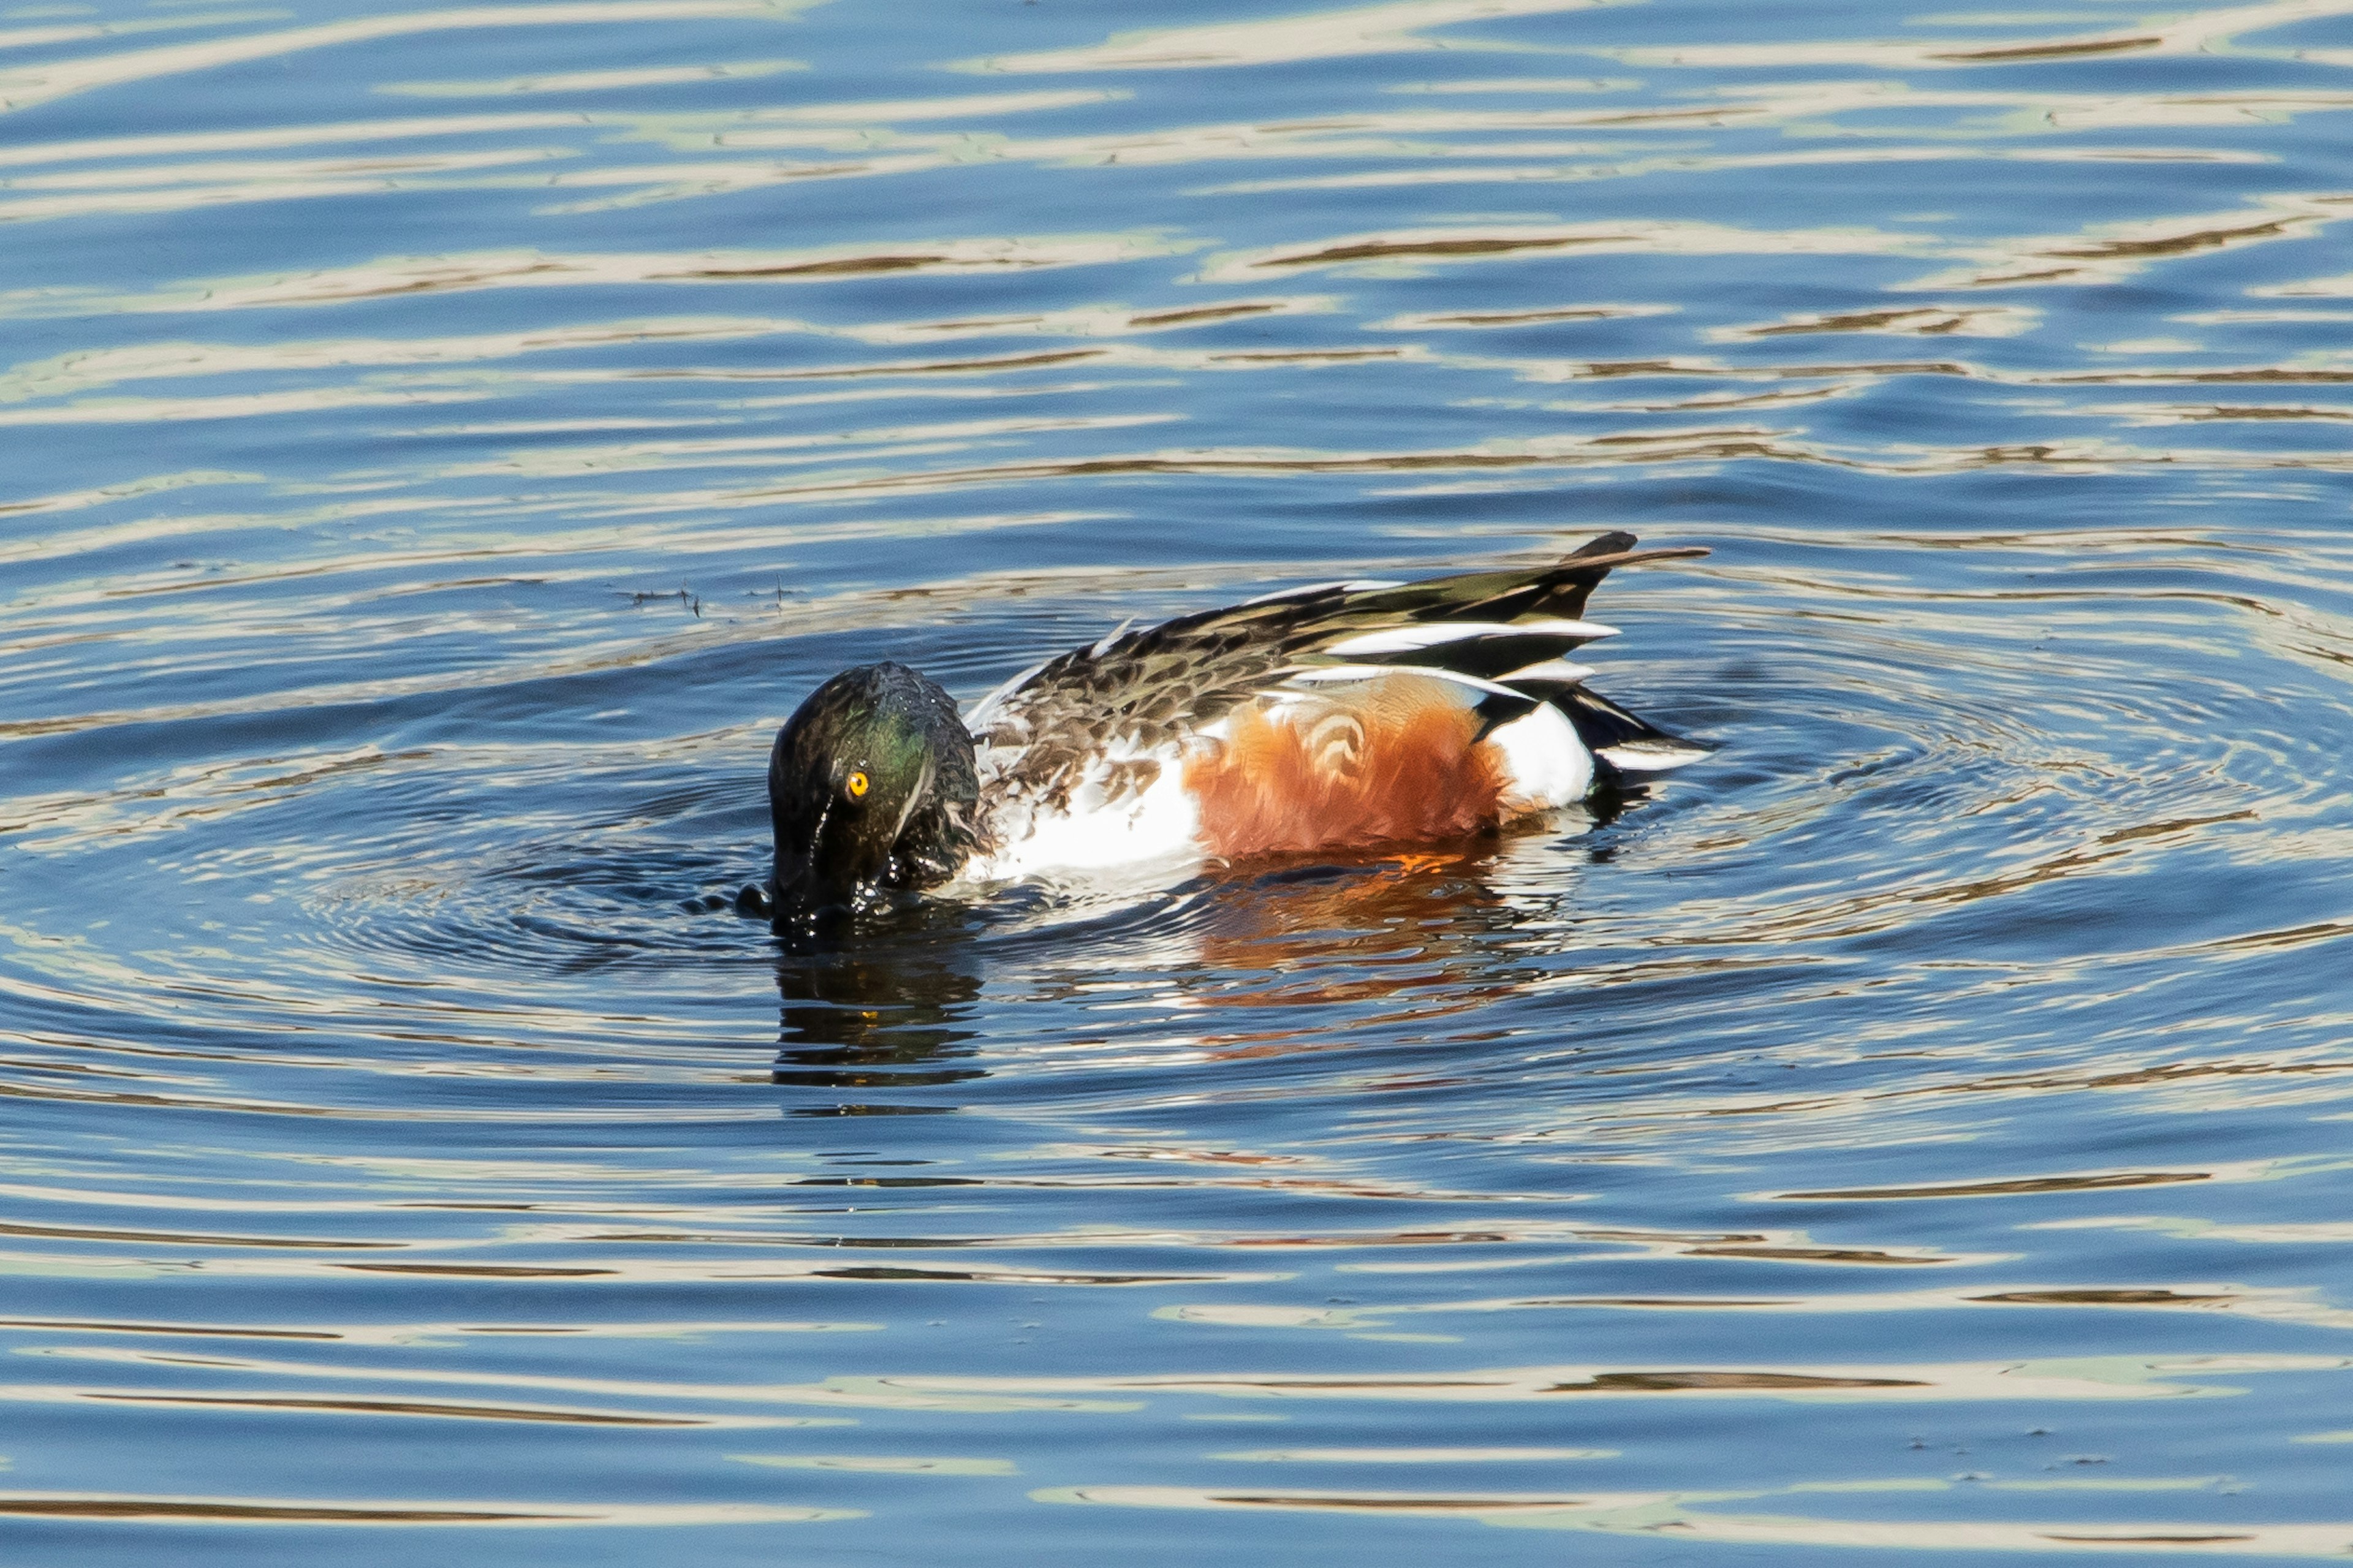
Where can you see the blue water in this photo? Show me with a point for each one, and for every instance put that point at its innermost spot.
(443, 445)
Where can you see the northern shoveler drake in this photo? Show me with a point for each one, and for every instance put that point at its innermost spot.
(1342, 715)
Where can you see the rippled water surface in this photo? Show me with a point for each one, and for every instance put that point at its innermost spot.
(442, 445)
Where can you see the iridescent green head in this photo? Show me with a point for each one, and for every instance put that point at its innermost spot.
(872, 787)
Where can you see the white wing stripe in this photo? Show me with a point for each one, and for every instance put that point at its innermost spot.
(1549, 670)
(1436, 634)
(1316, 674)
(1359, 585)
(1650, 756)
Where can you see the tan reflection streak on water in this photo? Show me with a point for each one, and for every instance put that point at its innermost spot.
(2101, 254)
(407, 275)
(356, 1404)
(1472, 140)
(2107, 252)
(1486, 1507)
(1673, 1516)
(2159, 415)
(1465, 174)
(1693, 446)
(868, 1393)
(190, 1238)
(78, 500)
(169, 187)
(253, 1106)
(593, 81)
(2260, 1303)
(2252, 1540)
(80, 371)
(447, 1333)
(264, 172)
(188, 198)
(104, 368)
(77, 32)
(1650, 235)
(2037, 114)
(860, 143)
(1414, 1456)
(1317, 35)
(762, 450)
(1866, 1118)
(2096, 1379)
(2337, 287)
(2197, 32)
(956, 107)
(1408, 323)
(30, 85)
(2098, 1181)
(544, 554)
(1921, 321)
(159, 410)
(1680, 446)
(2273, 1233)
(164, 1509)
(881, 1464)
(740, 1234)
(643, 1270)
(187, 141)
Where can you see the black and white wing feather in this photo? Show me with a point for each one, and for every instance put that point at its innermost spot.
(1103, 718)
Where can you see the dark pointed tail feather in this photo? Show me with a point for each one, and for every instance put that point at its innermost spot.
(1570, 584)
(1558, 590)
(1616, 541)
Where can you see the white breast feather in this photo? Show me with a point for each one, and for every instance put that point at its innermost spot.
(1161, 822)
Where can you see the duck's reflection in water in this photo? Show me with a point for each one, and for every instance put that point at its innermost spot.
(1431, 928)
(895, 1004)
(882, 1009)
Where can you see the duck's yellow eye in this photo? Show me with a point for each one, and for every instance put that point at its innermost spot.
(856, 784)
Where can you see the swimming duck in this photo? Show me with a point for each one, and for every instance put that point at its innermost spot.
(1340, 714)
